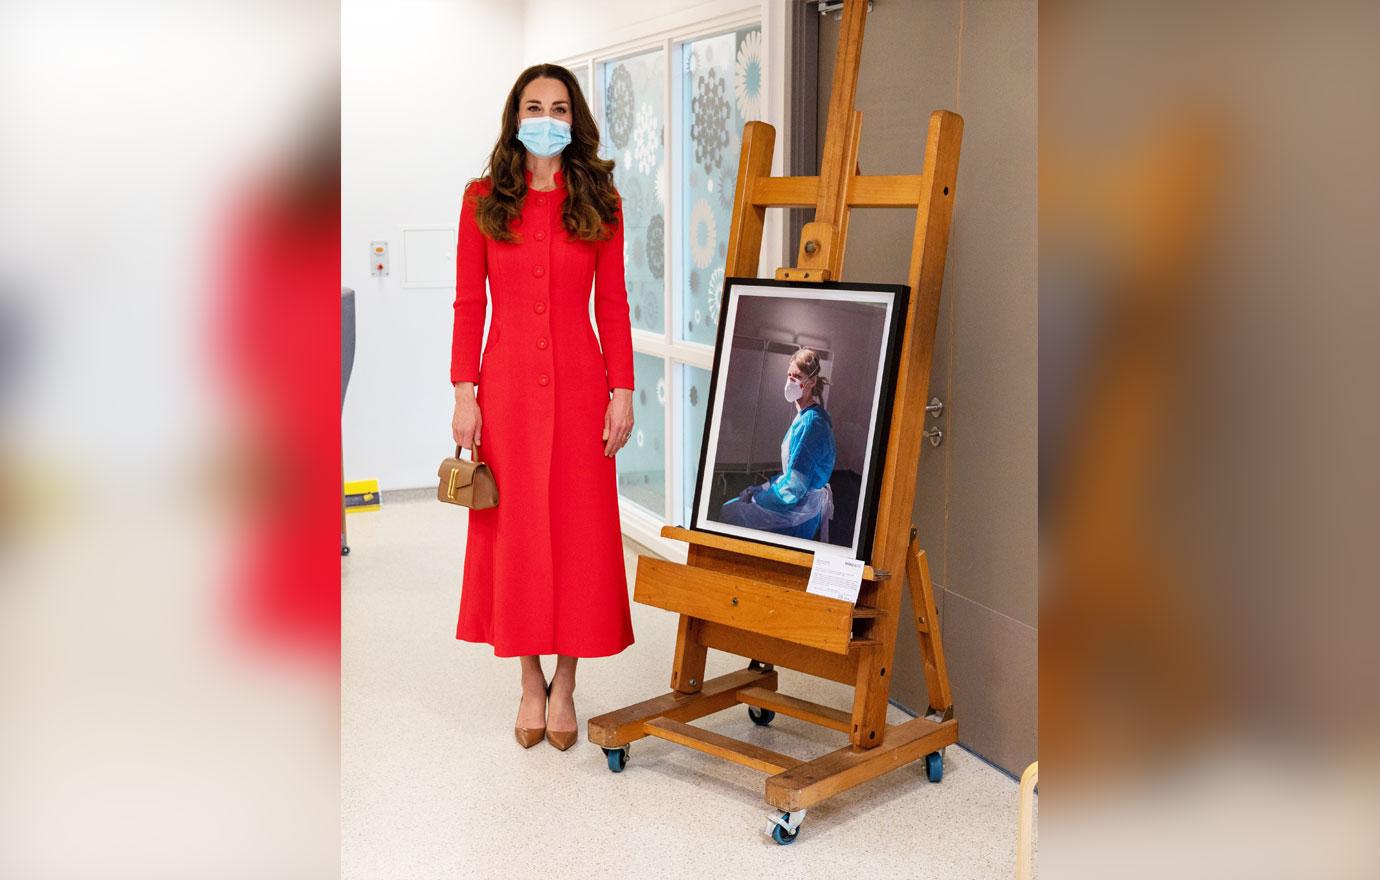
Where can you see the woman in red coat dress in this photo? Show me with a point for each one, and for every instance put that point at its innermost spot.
(543, 569)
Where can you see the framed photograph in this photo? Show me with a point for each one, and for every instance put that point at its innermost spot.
(798, 414)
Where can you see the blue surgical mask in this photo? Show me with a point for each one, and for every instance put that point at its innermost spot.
(544, 136)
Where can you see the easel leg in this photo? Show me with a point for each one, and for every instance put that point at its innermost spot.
(687, 670)
(745, 230)
(927, 628)
(868, 731)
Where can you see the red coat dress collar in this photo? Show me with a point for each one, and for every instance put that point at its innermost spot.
(558, 178)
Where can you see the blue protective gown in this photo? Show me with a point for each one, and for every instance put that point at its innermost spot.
(792, 503)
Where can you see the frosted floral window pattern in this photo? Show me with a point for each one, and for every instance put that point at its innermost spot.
(694, 399)
(642, 462)
(633, 135)
(721, 89)
(691, 169)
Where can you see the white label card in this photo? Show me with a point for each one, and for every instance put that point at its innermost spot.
(836, 576)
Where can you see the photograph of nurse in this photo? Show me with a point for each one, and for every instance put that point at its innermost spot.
(797, 418)
(798, 501)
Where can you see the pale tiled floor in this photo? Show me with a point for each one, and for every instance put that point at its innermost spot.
(433, 784)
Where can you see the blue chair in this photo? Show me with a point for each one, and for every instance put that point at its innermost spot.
(347, 365)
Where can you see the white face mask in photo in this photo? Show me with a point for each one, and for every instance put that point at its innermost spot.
(794, 390)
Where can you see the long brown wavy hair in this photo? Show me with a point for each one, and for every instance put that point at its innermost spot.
(591, 203)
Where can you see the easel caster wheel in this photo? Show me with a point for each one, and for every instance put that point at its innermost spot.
(345, 551)
(781, 834)
(760, 717)
(617, 758)
(934, 766)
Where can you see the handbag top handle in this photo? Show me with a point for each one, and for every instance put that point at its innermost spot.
(474, 452)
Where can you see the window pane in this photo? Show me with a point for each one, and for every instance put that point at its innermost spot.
(694, 399)
(642, 463)
(634, 124)
(721, 89)
(581, 72)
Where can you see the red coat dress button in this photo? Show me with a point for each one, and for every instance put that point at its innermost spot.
(542, 343)
(543, 380)
(538, 271)
(541, 236)
(540, 307)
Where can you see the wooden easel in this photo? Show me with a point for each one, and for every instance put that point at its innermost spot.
(748, 598)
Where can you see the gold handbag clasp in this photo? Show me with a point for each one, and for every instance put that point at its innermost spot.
(450, 490)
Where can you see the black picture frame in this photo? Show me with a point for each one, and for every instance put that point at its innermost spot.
(896, 298)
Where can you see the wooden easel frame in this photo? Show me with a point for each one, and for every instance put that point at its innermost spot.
(747, 598)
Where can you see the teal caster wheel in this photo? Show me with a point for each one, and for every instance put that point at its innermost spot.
(617, 758)
(786, 827)
(760, 717)
(934, 766)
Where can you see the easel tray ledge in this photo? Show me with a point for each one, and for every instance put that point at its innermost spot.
(799, 558)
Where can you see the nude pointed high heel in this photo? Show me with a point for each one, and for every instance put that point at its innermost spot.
(561, 739)
(530, 736)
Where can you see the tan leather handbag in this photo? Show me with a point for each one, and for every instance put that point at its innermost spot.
(467, 483)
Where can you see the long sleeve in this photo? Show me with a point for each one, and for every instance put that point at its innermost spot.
(471, 295)
(611, 311)
(811, 462)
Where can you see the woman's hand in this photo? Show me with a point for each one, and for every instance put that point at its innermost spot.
(749, 495)
(618, 421)
(466, 422)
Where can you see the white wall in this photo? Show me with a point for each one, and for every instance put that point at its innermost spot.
(422, 87)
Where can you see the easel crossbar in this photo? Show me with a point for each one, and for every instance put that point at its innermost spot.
(872, 191)
(720, 746)
(794, 784)
(783, 704)
(810, 782)
(622, 726)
